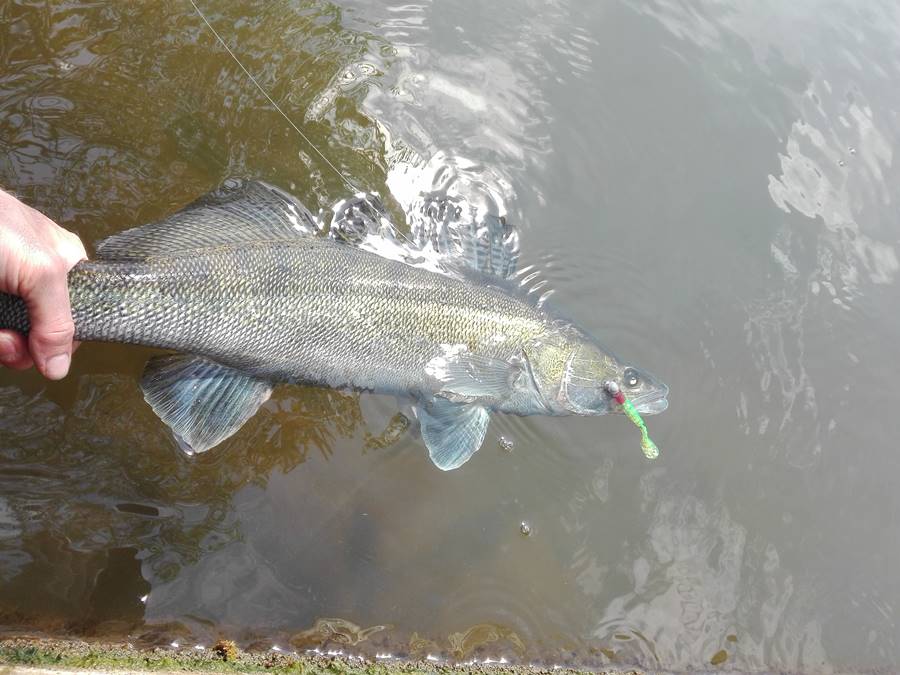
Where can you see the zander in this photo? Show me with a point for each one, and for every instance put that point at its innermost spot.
(249, 293)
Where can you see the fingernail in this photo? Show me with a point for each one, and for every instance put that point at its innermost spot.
(58, 366)
(8, 351)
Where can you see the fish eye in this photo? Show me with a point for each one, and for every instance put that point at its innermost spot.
(630, 378)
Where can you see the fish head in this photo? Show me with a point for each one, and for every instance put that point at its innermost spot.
(571, 371)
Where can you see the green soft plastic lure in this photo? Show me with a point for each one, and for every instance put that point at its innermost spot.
(648, 446)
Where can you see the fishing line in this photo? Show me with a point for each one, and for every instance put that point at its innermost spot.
(270, 99)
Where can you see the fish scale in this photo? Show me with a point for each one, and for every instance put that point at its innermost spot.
(311, 311)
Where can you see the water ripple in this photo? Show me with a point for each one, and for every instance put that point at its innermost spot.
(690, 578)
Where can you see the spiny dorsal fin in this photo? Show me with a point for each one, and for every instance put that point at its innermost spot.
(488, 245)
(238, 212)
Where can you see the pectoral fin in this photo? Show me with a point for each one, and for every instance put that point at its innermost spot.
(202, 401)
(463, 376)
(452, 432)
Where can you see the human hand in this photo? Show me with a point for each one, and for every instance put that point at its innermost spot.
(36, 255)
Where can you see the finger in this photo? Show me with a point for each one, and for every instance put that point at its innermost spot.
(52, 330)
(14, 350)
(70, 249)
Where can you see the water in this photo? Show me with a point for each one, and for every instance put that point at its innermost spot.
(709, 187)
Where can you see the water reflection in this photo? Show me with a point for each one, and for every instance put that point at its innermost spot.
(688, 601)
(339, 631)
(135, 489)
(80, 157)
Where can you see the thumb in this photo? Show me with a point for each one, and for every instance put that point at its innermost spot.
(52, 329)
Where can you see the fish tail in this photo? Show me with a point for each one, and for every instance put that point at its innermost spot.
(13, 314)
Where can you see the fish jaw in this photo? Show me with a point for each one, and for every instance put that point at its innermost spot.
(653, 402)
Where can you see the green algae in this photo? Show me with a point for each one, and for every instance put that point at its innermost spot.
(76, 654)
(719, 658)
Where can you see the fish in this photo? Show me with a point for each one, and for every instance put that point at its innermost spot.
(246, 291)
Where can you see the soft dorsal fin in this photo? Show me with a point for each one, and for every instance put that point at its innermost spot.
(488, 245)
(445, 236)
(238, 212)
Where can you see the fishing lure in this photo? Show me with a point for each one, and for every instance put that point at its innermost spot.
(648, 446)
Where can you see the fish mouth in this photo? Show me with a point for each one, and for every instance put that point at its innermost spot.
(652, 403)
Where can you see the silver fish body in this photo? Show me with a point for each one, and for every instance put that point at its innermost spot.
(311, 311)
(250, 294)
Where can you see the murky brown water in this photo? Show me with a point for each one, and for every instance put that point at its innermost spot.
(710, 188)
